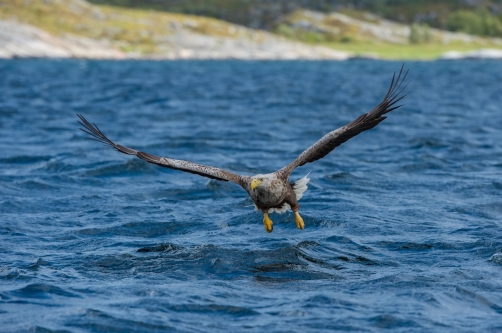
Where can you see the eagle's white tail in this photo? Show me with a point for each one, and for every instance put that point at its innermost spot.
(300, 186)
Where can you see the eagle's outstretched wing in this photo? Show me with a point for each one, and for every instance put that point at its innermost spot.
(198, 169)
(365, 122)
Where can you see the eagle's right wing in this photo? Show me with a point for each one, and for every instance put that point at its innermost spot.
(186, 166)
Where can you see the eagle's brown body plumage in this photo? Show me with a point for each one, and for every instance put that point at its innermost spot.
(273, 192)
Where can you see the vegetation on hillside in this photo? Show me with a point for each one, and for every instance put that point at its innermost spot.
(367, 34)
(144, 31)
(482, 17)
(475, 22)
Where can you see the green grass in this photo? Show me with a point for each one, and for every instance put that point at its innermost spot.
(407, 51)
(349, 37)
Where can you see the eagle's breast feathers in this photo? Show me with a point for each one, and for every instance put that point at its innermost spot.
(278, 203)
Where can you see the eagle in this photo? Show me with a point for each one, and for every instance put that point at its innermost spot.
(273, 192)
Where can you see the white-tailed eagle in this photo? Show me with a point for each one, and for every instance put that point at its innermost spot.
(273, 192)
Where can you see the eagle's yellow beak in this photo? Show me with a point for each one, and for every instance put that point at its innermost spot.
(255, 183)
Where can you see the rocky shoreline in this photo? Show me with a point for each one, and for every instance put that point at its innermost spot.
(24, 41)
(19, 40)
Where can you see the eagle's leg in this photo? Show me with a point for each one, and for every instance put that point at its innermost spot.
(267, 223)
(299, 221)
(295, 207)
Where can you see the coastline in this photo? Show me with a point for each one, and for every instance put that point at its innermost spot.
(20, 40)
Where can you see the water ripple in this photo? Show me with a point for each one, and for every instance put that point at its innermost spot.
(402, 223)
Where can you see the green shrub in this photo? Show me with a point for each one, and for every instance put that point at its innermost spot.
(346, 39)
(420, 33)
(477, 23)
(285, 30)
(312, 37)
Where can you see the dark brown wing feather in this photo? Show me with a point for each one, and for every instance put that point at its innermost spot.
(363, 123)
(186, 166)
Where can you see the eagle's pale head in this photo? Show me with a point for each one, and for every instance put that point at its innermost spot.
(261, 181)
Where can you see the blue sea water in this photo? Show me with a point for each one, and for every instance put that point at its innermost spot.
(403, 223)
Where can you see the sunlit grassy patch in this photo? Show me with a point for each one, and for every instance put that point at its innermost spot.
(406, 51)
(347, 34)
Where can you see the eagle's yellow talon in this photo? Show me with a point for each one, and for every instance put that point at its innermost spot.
(299, 221)
(267, 223)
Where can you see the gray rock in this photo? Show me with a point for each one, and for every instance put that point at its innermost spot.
(477, 54)
(23, 41)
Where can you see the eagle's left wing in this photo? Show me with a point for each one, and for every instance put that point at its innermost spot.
(186, 166)
(363, 123)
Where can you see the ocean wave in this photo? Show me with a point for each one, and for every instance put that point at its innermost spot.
(402, 227)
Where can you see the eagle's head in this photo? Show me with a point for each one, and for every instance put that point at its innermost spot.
(263, 181)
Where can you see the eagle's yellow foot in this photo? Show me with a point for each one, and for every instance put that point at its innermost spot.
(267, 223)
(299, 221)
